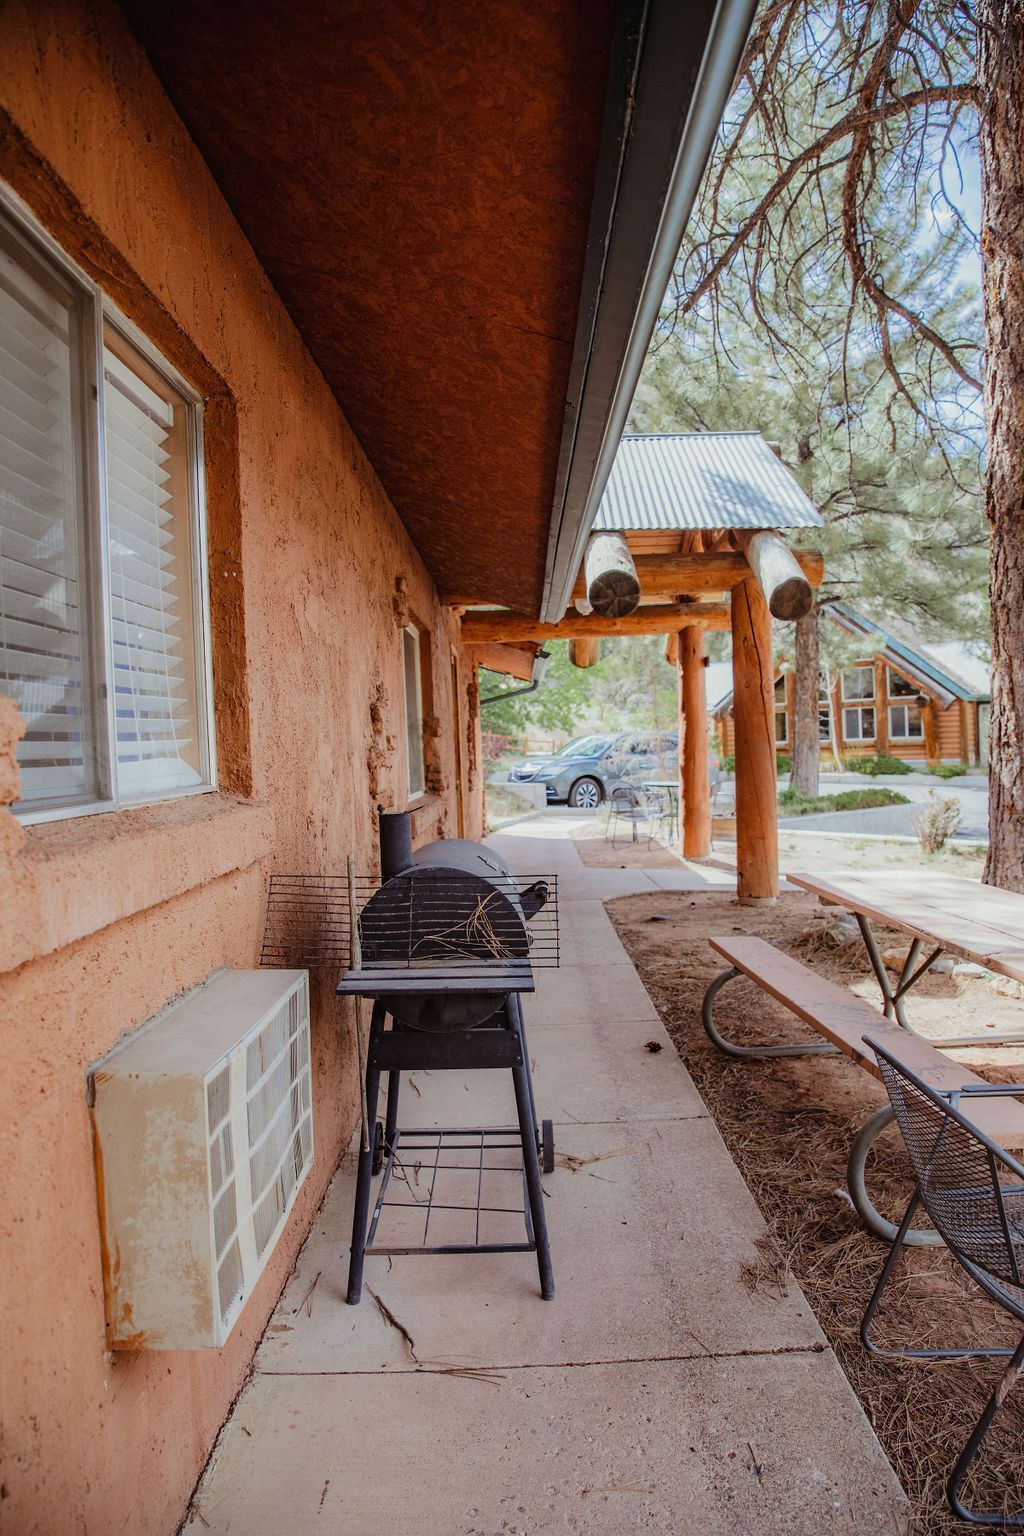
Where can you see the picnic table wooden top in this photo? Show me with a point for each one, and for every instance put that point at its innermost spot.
(974, 921)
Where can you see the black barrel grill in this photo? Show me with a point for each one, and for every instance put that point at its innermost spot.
(445, 943)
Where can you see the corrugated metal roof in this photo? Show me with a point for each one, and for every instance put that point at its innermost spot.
(690, 480)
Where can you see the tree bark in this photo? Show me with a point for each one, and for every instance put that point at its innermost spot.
(1001, 124)
(806, 744)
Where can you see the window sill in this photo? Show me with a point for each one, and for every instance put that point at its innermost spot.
(427, 810)
(73, 877)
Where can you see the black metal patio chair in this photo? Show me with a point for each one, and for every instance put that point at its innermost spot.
(625, 804)
(973, 1191)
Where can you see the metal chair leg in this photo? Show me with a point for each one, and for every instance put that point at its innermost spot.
(916, 1237)
(531, 1169)
(752, 1052)
(1001, 1392)
(1007, 1381)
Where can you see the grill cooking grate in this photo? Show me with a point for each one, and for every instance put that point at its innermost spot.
(430, 927)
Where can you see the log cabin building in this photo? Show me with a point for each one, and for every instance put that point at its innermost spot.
(903, 697)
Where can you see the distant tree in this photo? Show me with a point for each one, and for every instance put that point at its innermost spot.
(819, 300)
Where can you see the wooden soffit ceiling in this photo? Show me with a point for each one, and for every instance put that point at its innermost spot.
(416, 178)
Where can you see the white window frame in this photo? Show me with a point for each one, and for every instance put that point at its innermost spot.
(859, 698)
(97, 310)
(906, 705)
(858, 710)
(783, 715)
(415, 795)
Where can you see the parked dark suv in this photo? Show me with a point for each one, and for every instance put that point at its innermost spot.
(586, 770)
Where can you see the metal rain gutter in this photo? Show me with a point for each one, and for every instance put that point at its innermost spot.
(617, 312)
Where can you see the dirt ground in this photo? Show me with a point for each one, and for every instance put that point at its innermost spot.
(789, 1125)
(797, 850)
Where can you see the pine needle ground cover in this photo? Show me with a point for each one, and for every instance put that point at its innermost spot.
(789, 1125)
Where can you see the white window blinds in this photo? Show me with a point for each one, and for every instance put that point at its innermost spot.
(103, 639)
(150, 563)
(41, 646)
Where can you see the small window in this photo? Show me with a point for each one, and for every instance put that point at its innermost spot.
(858, 683)
(824, 726)
(898, 686)
(780, 690)
(102, 574)
(411, 646)
(781, 727)
(905, 723)
(859, 724)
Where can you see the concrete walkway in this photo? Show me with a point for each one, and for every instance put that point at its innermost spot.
(656, 1393)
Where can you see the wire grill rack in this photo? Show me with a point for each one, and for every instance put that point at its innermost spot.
(432, 926)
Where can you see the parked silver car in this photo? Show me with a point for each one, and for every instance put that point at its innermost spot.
(586, 770)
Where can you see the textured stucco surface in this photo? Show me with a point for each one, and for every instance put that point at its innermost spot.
(104, 919)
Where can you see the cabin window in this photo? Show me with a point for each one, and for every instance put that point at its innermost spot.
(858, 723)
(858, 683)
(781, 715)
(905, 723)
(103, 629)
(824, 712)
(412, 647)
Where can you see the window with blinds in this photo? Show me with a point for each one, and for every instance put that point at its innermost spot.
(412, 664)
(102, 633)
(42, 636)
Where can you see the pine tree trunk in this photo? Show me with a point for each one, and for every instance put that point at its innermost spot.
(1001, 114)
(806, 748)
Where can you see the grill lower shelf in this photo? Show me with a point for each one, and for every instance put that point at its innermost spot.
(453, 1190)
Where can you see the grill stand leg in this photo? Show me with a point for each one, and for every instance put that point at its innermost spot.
(528, 1130)
(364, 1175)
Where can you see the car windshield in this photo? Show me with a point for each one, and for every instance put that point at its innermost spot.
(584, 746)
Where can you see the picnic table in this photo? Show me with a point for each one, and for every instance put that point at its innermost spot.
(947, 913)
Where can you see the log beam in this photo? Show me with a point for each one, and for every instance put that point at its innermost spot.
(786, 588)
(585, 651)
(501, 627)
(757, 827)
(717, 571)
(693, 746)
(609, 575)
(507, 659)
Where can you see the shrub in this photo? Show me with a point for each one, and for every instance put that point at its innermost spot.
(845, 800)
(727, 762)
(936, 821)
(783, 763)
(880, 763)
(949, 770)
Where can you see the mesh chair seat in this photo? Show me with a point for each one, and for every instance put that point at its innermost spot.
(973, 1192)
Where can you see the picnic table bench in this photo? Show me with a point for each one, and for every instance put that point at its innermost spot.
(843, 1020)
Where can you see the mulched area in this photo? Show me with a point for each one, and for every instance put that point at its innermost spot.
(789, 1125)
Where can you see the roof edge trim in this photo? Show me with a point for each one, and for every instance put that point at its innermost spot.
(656, 142)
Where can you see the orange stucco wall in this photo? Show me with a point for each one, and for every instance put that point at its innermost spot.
(103, 919)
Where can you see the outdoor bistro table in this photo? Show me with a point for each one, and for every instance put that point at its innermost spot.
(671, 787)
(948, 913)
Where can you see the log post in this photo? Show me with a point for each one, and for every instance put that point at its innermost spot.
(586, 651)
(693, 747)
(757, 828)
(931, 734)
(881, 705)
(613, 588)
(786, 589)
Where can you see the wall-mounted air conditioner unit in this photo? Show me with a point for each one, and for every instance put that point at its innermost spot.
(203, 1133)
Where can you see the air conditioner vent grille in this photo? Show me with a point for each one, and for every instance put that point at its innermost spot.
(230, 1282)
(218, 1097)
(204, 1120)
